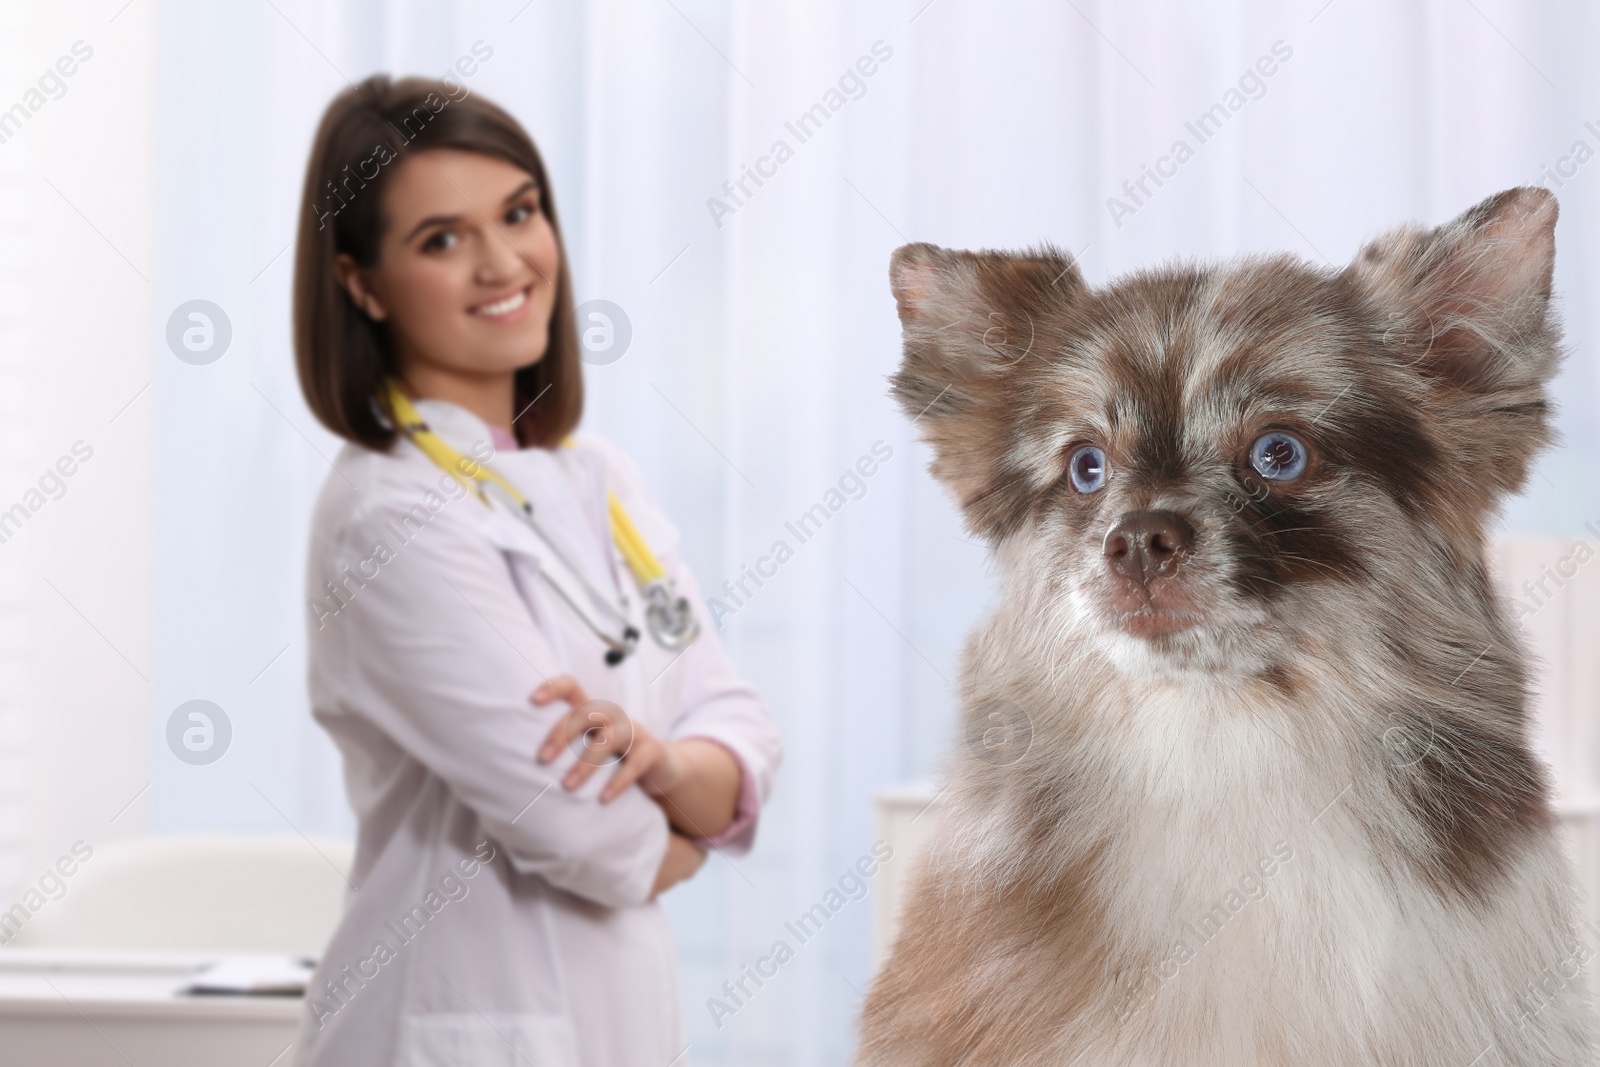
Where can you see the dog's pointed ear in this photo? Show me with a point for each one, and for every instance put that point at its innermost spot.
(1467, 304)
(950, 286)
(969, 316)
(1470, 296)
(968, 320)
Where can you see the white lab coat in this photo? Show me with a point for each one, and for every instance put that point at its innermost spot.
(496, 917)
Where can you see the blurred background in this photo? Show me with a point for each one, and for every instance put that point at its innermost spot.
(166, 169)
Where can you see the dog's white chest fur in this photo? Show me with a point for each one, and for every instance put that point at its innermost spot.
(1257, 921)
(1237, 865)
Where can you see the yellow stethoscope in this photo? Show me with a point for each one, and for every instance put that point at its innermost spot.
(670, 619)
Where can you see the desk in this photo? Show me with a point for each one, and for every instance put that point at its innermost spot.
(82, 1008)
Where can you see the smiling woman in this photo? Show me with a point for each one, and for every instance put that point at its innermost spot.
(489, 236)
(467, 290)
(435, 332)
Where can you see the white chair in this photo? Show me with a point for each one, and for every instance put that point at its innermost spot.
(210, 894)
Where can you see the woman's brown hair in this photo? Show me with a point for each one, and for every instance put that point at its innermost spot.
(341, 354)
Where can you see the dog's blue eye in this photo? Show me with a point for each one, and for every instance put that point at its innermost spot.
(1087, 468)
(1278, 457)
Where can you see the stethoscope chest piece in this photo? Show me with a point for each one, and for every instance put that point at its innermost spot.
(670, 618)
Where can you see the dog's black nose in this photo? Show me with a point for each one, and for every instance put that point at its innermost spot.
(1145, 544)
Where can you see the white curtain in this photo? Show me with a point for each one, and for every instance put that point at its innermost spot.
(763, 329)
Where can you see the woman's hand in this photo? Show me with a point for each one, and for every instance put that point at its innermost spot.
(608, 733)
(682, 859)
(695, 780)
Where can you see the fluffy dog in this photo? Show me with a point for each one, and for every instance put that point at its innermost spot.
(1248, 778)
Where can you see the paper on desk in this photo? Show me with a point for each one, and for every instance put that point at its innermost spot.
(254, 975)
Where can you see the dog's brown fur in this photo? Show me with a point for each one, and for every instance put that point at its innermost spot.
(1343, 711)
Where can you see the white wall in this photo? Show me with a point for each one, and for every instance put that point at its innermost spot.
(76, 316)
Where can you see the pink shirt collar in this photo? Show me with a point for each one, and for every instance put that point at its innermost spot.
(502, 441)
